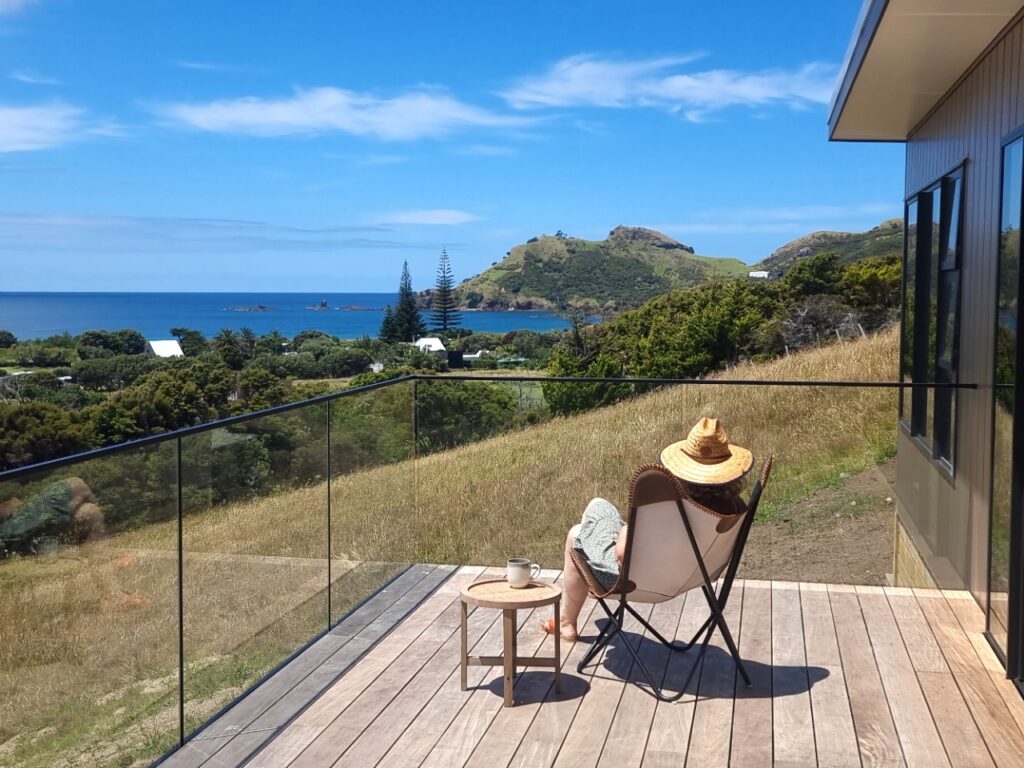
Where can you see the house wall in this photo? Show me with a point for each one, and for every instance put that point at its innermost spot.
(945, 519)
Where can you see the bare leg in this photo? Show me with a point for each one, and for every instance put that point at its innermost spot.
(573, 590)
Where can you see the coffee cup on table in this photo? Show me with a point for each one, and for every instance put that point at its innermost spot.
(520, 571)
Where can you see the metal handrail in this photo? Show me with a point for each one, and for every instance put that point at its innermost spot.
(109, 450)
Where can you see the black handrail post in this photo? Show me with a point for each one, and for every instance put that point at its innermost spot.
(329, 582)
(181, 600)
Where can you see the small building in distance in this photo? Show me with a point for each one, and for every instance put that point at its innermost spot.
(759, 274)
(433, 345)
(164, 348)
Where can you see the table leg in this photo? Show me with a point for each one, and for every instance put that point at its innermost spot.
(509, 622)
(558, 650)
(465, 645)
(515, 644)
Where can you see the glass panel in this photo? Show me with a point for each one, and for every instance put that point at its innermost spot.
(909, 297)
(89, 612)
(951, 246)
(1005, 379)
(521, 480)
(255, 551)
(372, 493)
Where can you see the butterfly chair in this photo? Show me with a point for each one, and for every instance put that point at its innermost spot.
(673, 545)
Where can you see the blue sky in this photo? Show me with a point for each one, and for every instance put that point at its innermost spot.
(312, 146)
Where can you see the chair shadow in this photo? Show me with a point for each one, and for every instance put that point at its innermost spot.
(720, 677)
(534, 687)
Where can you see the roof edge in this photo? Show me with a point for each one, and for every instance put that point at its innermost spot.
(871, 13)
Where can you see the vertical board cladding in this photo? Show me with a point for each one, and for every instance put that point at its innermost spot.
(967, 127)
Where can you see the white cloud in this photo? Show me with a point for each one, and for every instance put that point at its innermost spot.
(484, 150)
(589, 81)
(23, 129)
(31, 77)
(411, 115)
(798, 219)
(447, 216)
(48, 233)
(205, 66)
(13, 6)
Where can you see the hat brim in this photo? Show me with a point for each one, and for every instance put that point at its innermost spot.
(687, 468)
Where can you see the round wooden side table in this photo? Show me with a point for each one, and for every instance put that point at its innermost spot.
(496, 593)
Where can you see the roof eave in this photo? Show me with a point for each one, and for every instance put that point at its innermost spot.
(871, 13)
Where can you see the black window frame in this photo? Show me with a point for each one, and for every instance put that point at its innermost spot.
(936, 279)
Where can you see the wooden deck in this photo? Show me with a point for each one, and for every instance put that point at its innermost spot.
(843, 676)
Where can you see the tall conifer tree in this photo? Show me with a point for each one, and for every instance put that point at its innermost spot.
(445, 313)
(408, 323)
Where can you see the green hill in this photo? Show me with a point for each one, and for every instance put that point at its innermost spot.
(884, 240)
(555, 271)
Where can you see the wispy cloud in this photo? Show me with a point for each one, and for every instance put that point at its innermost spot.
(798, 219)
(43, 126)
(484, 150)
(425, 112)
(204, 66)
(178, 236)
(587, 80)
(13, 6)
(446, 216)
(32, 77)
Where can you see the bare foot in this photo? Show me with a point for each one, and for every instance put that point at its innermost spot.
(568, 632)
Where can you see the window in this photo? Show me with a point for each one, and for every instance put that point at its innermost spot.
(931, 302)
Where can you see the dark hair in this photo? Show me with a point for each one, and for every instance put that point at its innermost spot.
(726, 498)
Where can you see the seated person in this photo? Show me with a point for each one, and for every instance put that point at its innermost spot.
(711, 471)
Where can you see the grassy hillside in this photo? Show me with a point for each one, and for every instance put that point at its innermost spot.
(884, 240)
(630, 266)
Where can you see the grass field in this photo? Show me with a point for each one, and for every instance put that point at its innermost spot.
(88, 666)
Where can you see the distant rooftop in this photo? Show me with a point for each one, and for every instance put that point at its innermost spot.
(164, 348)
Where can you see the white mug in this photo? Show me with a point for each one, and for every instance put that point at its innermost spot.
(519, 572)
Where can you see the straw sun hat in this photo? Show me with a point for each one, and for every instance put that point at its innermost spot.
(706, 457)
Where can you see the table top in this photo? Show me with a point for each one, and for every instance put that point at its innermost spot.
(496, 593)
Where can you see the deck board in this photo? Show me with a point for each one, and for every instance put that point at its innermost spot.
(843, 676)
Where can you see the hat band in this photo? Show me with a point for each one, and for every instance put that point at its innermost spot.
(710, 460)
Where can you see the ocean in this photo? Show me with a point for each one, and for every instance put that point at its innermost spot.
(350, 315)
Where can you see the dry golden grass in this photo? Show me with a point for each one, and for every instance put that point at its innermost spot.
(69, 627)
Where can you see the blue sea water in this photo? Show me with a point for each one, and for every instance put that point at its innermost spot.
(351, 315)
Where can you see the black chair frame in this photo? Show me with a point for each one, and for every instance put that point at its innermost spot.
(716, 600)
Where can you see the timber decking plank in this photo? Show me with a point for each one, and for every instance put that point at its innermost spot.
(751, 740)
(957, 729)
(792, 723)
(460, 738)
(1001, 733)
(711, 729)
(440, 637)
(505, 734)
(426, 688)
(834, 734)
(233, 723)
(322, 712)
(543, 739)
(631, 725)
(877, 741)
(348, 650)
(585, 740)
(669, 737)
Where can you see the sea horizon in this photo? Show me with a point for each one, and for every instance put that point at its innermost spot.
(38, 314)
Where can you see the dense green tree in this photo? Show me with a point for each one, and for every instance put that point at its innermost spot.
(164, 400)
(815, 276)
(389, 327)
(192, 343)
(36, 431)
(227, 345)
(273, 343)
(129, 342)
(7, 339)
(113, 373)
(444, 310)
(408, 323)
(258, 388)
(247, 340)
(304, 336)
